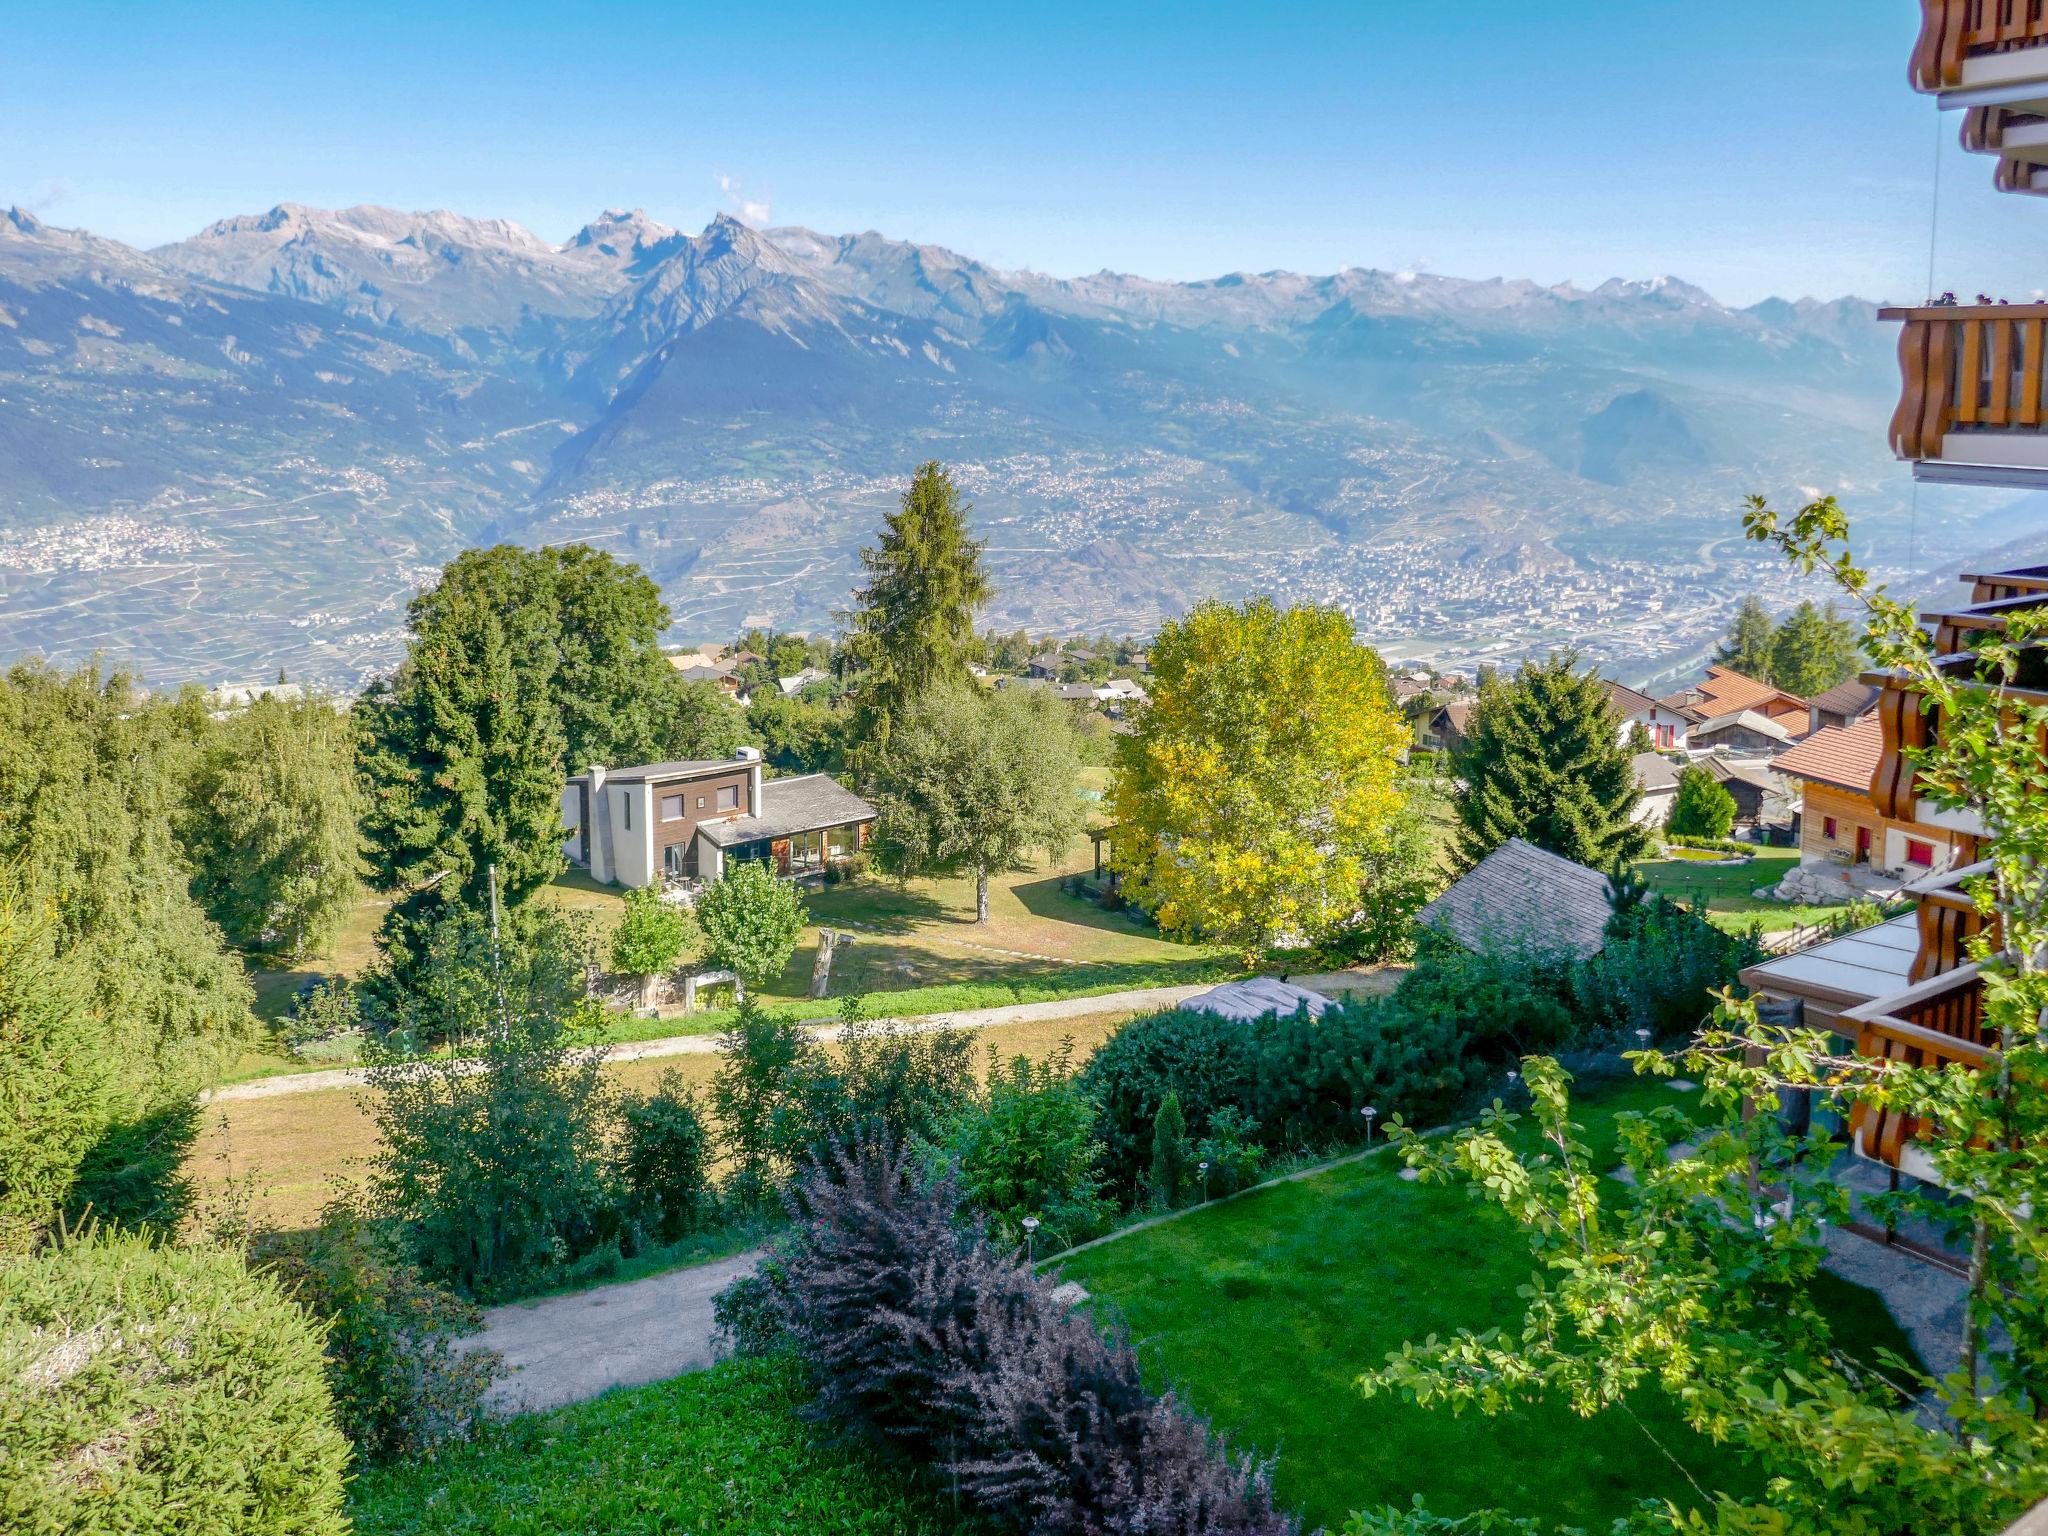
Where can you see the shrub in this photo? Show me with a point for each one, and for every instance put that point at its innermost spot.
(888, 1081)
(1702, 807)
(751, 921)
(920, 1332)
(400, 1385)
(762, 1060)
(495, 1164)
(1660, 968)
(1230, 1154)
(1710, 844)
(1203, 1060)
(664, 1161)
(1026, 1147)
(1315, 1074)
(1498, 1005)
(133, 1177)
(649, 939)
(163, 1390)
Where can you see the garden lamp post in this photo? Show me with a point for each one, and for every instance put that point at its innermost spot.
(1030, 1238)
(1203, 1169)
(1371, 1113)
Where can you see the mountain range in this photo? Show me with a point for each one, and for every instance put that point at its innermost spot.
(245, 450)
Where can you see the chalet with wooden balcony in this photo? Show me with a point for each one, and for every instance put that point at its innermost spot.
(1907, 990)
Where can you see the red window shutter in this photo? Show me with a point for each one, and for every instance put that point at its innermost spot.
(1919, 853)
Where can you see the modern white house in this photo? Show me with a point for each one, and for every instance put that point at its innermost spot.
(684, 820)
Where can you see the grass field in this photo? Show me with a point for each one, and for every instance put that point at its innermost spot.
(914, 937)
(1264, 1311)
(282, 1158)
(1729, 889)
(724, 1451)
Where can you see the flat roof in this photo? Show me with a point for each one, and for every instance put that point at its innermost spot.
(1856, 968)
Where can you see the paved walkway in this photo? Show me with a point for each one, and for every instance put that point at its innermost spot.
(825, 1029)
(563, 1349)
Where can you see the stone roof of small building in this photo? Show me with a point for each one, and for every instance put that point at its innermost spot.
(1844, 756)
(804, 804)
(1521, 898)
(1746, 719)
(1256, 998)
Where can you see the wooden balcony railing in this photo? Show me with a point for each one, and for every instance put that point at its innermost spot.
(1948, 919)
(1934, 1023)
(1996, 586)
(1968, 368)
(1902, 726)
(1955, 31)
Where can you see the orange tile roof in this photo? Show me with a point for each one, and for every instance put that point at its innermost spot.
(1727, 691)
(1842, 755)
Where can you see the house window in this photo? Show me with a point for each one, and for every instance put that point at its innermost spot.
(627, 800)
(1919, 853)
(1827, 829)
(728, 797)
(671, 807)
(700, 802)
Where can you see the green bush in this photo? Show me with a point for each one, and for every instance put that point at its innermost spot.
(751, 920)
(164, 1390)
(728, 1450)
(1316, 1074)
(1499, 1005)
(1026, 1147)
(1710, 844)
(400, 1385)
(1229, 1158)
(1204, 1061)
(1702, 807)
(1660, 968)
(495, 1166)
(1170, 1150)
(664, 1160)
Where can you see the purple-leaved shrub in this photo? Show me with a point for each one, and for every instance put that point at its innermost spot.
(921, 1331)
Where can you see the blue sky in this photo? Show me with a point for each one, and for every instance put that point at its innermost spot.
(1752, 146)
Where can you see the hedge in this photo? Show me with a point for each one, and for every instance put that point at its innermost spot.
(146, 1388)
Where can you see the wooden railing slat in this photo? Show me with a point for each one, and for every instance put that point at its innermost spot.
(2030, 374)
(2001, 373)
(1969, 371)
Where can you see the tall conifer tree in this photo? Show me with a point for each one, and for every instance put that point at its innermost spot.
(913, 626)
(1747, 646)
(1544, 760)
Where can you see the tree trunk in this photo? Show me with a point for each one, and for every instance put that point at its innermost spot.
(981, 893)
(648, 984)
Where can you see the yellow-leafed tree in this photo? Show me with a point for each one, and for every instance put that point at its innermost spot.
(1261, 777)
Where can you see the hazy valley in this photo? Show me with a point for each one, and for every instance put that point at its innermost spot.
(245, 450)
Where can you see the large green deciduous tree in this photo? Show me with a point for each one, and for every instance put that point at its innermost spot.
(974, 782)
(912, 626)
(1747, 645)
(1813, 650)
(1543, 759)
(1260, 779)
(271, 822)
(649, 939)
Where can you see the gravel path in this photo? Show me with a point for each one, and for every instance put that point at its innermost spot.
(563, 1349)
(971, 1018)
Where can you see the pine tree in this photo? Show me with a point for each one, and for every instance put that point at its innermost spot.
(1813, 650)
(1544, 760)
(913, 626)
(1748, 646)
(1169, 1151)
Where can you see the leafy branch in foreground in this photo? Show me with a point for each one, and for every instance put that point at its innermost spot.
(1695, 1278)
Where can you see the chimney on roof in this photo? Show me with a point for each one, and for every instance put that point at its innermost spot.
(596, 772)
(751, 756)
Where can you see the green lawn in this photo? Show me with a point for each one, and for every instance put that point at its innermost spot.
(916, 942)
(1729, 889)
(1264, 1311)
(720, 1453)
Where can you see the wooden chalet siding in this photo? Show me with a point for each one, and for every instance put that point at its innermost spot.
(1948, 920)
(1954, 31)
(1849, 811)
(1905, 725)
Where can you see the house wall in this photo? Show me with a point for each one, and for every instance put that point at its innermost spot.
(1888, 838)
(1654, 808)
(632, 822)
(682, 831)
